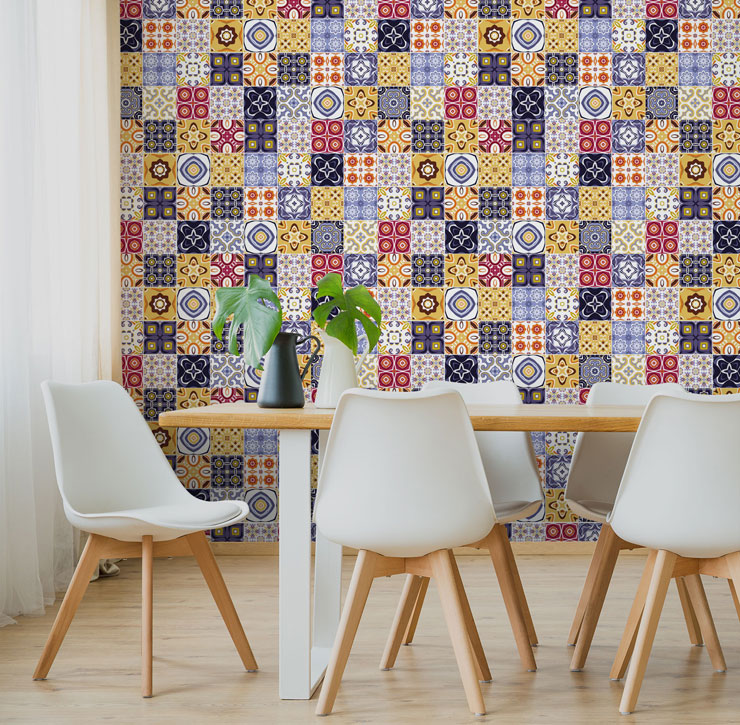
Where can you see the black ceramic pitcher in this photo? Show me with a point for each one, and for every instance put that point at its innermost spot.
(281, 386)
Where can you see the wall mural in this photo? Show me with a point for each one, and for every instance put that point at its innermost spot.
(539, 190)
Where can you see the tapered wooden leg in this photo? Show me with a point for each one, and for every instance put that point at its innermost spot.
(523, 605)
(596, 600)
(735, 599)
(444, 573)
(76, 590)
(484, 672)
(408, 636)
(661, 578)
(706, 623)
(147, 561)
(212, 574)
(359, 588)
(733, 564)
(400, 623)
(497, 546)
(627, 644)
(588, 587)
(692, 623)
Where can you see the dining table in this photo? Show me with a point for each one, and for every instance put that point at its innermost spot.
(307, 629)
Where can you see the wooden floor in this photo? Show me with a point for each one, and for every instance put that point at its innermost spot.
(198, 679)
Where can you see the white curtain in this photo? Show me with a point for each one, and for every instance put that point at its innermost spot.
(55, 262)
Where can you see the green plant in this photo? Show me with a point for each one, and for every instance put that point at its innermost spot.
(247, 305)
(354, 304)
(261, 322)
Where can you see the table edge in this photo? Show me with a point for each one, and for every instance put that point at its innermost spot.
(322, 421)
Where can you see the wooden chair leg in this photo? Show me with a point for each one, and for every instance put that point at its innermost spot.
(443, 570)
(404, 611)
(661, 578)
(627, 644)
(689, 615)
(359, 588)
(408, 636)
(706, 623)
(596, 600)
(523, 604)
(497, 545)
(76, 590)
(733, 564)
(735, 599)
(147, 562)
(484, 672)
(212, 574)
(588, 587)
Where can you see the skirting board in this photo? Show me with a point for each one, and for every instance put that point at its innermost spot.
(576, 548)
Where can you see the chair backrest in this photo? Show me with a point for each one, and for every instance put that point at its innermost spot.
(681, 486)
(106, 457)
(599, 458)
(402, 475)
(703, 396)
(508, 457)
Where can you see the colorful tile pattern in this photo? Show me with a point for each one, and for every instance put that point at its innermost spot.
(539, 190)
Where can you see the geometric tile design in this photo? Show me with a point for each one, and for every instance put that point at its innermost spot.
(547, 192)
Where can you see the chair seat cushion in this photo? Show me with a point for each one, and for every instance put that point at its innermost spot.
(590, 509)
(195, 514)
(507, 511)
(168, 521)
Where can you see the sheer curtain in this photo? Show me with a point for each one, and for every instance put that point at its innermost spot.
(55, 261)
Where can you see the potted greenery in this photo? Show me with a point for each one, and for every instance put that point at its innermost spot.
(339, 335)
(257, 310)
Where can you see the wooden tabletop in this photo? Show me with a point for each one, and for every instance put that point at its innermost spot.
(611, 418)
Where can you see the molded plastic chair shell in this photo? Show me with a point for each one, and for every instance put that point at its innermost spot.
(508, 457)
(402, 475)
(681, 487)
(599, 458)
(112, 474)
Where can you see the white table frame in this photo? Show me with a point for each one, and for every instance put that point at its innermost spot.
(302, 662)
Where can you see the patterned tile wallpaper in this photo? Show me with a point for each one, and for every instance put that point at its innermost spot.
(543, 190)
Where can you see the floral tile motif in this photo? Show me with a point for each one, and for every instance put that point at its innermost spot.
(543, 192)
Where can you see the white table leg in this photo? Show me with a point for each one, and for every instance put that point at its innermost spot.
(302, 666)
(295, 565)
(327, 593)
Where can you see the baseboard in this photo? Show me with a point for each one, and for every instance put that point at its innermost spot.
(523, 548)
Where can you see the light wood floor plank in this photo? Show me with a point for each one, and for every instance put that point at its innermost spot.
(96, 677)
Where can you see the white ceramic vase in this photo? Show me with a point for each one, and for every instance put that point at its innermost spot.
(338, 371)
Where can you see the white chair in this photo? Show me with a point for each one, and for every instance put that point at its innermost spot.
(726, 397)
(402, 481)
(679, 497)
(118, 486)
(593, 481)
(514, 482)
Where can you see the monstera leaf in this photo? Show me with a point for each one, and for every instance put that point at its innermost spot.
(354, 304)
(247, 305)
